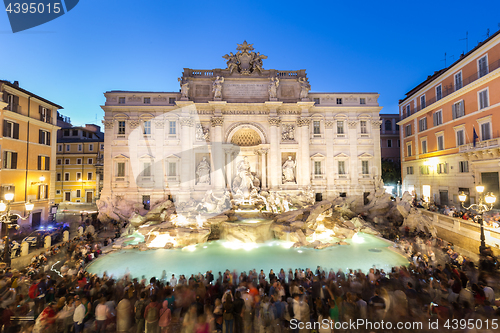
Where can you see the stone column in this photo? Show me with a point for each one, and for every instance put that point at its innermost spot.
(304, 166)
(330, 163)
(186, 156)
(263, 153)
(218, 154)
(353, 152)
(377, 156)
(275, 153)
(229, 167)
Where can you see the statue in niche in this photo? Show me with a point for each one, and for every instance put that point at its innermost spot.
(273, 87)
(289, 170)
(245, 183)
(184, 88)
(217, 86)
(232, 62)
(304, 87)
(203, 172)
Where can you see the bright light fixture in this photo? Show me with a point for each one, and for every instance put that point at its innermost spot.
(29, 206)
(480, 188)
(462, 197)
(9, 196)
(3, 206)
(490, 198)
(42, 178)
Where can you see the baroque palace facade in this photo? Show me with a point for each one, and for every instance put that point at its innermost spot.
(243, 128)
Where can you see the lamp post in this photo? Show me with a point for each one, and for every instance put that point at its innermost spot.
(6, 220)
(480, 208)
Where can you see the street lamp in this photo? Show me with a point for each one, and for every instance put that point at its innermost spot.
(480, 208)
(6, 220)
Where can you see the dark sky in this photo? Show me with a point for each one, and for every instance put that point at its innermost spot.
(351, 46)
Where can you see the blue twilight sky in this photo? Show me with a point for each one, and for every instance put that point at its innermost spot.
(385, 46)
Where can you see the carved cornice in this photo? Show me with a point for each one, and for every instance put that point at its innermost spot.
(303, 122)
(133, 124)
(217, 121)
(329, 123)
(352, 123)
(186, 121)
(376, 123)
(134, 99)
(274, 121)
(108, 124)
(159, 99)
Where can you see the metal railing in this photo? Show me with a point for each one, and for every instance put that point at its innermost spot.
(448, 90)
(492, 143)
(13, 108)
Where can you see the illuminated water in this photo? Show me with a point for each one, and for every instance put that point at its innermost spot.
(219, 256)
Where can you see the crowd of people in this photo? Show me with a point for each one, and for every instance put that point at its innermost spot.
(55, 294)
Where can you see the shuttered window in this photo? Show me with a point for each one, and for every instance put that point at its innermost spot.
(458, 109)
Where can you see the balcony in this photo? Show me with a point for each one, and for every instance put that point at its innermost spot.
(448, 90)
(486, 144)
(14, 108)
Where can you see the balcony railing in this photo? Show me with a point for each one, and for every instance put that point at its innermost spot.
(13, 108)
(448, 90)
(492, 143)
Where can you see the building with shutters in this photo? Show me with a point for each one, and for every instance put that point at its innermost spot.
(28, 150)
(79, 162)
(450, 128)
(239, 129)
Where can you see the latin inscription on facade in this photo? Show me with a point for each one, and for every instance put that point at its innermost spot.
(242, 90)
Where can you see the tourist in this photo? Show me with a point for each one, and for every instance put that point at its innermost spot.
(79, 315)
(165, 317)
(173, 281)
(228, 315)
(139, 308)
(152, 315)
(101, 315)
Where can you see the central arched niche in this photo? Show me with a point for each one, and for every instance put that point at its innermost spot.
(246, 137)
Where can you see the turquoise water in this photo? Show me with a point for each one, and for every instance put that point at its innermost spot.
(364, 252)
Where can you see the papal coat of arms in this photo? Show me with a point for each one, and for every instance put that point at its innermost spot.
(245, 61)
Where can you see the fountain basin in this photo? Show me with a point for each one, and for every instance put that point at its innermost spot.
(247, 231)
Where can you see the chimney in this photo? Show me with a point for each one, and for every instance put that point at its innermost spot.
(16, 83)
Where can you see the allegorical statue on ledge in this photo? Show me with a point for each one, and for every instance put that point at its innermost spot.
(304, 87)
(273, 87)
(245, 61)
(245, 181)
(203, 172)
(289, 170)
(184, 88)
(217, 87)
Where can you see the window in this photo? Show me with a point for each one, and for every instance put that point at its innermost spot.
(102, 146)
(439, 92)
(80, 147)
(409, 170)
(388, 125)
(78, 176)
(120, 169)
(66, 176)
(339, 100)
(316, 101)
(59, 148)
(438, 118)
(424, 146)
(121, 127)
(399, 143)
(362, 124)
(90, 161)
(91, 147)
(408, 130)
(362, 100)
(340, 127)
(458, 81)
(364, 167)
(146, 171)
(66, 161)
(440, 142)
(68, 147)
(442, 168)
(422, 102)
(172, 169)
(460, 137)
(147, 100)
(10, 129)
(482, 65)
(59, 177)
(75, 133)
(171, 100)
(483, 99)
(457, 109)
(316, 128)
(66, 132)
(408, 150)
(485, 131)
(463, 166)
(44, 137)
(85, 134)
(43, 163)
(389, 143)
(43, 192)
(408, 112)
(58, 192)
(317, 167)
(78, 161)
(59, 161)
(422, 124)
(45, 114)
(9, 160)
(147, 127)
(78, 193)
(341, 167)
(172, 128)
(89, 175)
(424, 169)
(121, 100)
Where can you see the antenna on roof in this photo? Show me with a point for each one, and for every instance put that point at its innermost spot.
(444, 60)
(467, 40)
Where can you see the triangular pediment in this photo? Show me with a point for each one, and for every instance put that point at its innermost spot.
(172, 156)
(120, 156)
(318, 155)
(341, 155)
(146, 156)
(365, 155)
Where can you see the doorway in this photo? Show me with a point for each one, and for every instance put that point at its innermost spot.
(443, 197)
(67, 196)
(319, 197)
(36, 219)
(89, 197)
